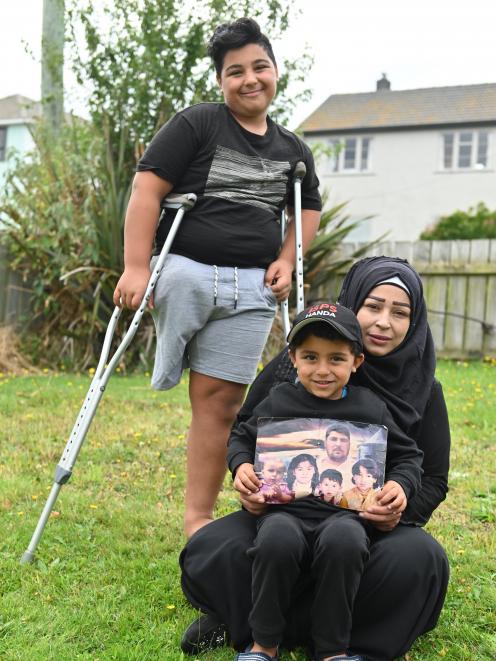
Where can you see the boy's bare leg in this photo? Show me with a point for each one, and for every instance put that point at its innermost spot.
(214, 405)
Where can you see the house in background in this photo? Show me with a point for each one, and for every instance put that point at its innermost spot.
(407, 157)
(16, 114)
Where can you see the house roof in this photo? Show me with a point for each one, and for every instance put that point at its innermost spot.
(389, 109)
(17, 107)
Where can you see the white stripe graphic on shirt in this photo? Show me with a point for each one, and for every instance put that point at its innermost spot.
(247, 179)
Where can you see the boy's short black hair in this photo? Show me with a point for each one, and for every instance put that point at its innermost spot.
(324, 331)
(230, 36)
(331, 474)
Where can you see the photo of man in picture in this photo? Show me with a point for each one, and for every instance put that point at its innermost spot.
(337, 447)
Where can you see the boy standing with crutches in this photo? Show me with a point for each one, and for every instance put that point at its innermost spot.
(216, 297)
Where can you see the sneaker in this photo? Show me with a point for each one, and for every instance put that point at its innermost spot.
(344, 658)
(255, 656)
(204, 633)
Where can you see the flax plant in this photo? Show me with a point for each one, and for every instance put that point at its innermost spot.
(62, 211)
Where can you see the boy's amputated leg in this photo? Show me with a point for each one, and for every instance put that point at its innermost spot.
(214, 405)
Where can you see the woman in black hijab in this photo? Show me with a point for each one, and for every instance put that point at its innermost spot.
(404, 585)
(399, 377)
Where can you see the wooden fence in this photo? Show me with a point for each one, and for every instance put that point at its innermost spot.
(459, 280)
(14, 295)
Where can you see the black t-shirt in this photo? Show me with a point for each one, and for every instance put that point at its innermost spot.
(242, 180)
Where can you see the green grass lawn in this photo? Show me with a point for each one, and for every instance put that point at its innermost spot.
(106, 582)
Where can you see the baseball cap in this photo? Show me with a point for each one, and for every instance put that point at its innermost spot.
(342, 319)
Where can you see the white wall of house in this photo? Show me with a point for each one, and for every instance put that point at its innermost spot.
(406, 186)
(18, 139)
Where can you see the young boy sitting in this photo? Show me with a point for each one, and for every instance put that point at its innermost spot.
(325, 346)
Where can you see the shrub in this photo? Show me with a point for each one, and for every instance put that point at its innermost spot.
(62, 211)
(476, 223)
(321, 264)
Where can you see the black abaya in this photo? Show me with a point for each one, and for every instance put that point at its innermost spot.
(392, 609)
(405, 580)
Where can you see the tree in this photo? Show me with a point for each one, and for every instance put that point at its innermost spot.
(64, 206)
(52, 63)
(144, 60)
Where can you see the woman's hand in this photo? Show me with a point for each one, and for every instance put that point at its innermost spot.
(246, 480)
(385, 522)
(254, 503)
(391, 502)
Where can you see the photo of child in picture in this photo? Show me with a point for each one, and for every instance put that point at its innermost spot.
(303, 475)
(330, 488)
(274, 488)
(365, 475)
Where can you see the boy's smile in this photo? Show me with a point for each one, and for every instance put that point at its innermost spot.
(248, 81)
(324, 366)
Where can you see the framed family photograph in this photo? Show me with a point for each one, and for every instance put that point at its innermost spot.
(341, 462)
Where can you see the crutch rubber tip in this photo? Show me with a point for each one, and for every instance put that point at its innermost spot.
(27, 558)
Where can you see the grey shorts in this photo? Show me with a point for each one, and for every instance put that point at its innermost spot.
(214, 320)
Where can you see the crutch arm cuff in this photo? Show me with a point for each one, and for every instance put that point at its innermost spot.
(299, 171)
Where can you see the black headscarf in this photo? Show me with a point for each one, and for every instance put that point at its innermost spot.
(402, 378)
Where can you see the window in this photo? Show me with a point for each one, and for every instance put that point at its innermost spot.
(3, 142)
(349, 155)
(448, 150)
(463, 150)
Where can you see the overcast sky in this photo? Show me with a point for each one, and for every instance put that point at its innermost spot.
(417, 43)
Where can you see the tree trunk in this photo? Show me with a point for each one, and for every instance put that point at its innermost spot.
(52, 63)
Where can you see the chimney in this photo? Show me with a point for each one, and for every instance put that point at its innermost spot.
(383, 84)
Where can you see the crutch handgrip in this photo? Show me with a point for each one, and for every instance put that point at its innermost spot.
(299, 171)
(177, 200)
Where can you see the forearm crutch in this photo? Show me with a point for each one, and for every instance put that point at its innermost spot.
(299, 174)
(284, 304)
(103, 373)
